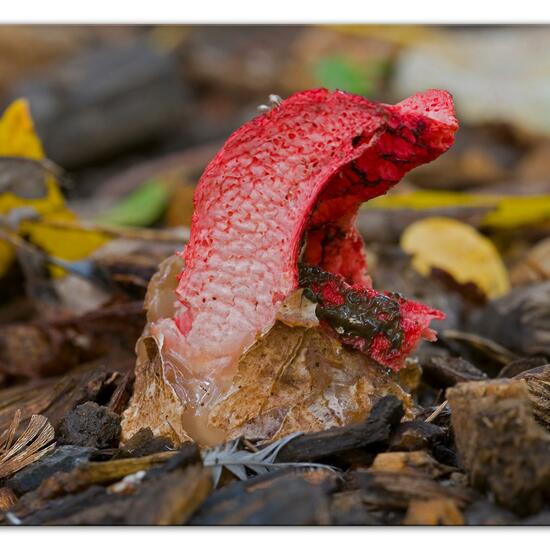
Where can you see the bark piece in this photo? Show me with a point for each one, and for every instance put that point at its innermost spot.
(274, 499)
(90, 425)
(433, 512)
(520, 321)
(390, 490)
(169, 499)
(501, 445)
(55, 397)
(63, 459)
(416, 435)
(443, 372)
(372, 434)
(411, 462)
(538, 386)
(7, 499)
(144, 443)
(514, 368)
(348, 508)
(97, 473)
(43, 348)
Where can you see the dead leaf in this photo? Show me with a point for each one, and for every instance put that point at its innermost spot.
(36, 441)
(459, 250)
(18, 139)
(496, 211)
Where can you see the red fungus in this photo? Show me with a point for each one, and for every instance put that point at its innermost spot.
(286, 187)
(382, 325)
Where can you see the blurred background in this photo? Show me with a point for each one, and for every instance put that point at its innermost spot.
(107, 99)
(132, 114)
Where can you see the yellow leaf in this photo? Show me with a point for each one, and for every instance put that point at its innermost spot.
(458, 249)
(17, 135)
(507, 212)
(18, 139)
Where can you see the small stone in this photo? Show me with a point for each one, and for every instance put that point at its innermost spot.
(91, 425)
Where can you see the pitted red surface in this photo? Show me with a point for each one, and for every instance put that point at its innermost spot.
(301, 169)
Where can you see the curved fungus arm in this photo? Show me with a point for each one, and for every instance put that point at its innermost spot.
(298, 172)
(283, 190)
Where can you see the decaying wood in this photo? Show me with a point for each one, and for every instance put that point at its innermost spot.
(411, 462)
(280, 498)
(98, 473)
(55, 397)
(348, 508)
(90, 425)
(7, 499)
(443, 372)
(501, 445)
(49, 348)
(63, 458)
(538, 386)
(521, 365)
(168, 498)
(144, 443)
(433, 512)
(372, 434)
(393, 490)
(520, 320)
(416, 435)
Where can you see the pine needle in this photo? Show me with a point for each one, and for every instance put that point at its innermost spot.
(35, 441)
(240, 462)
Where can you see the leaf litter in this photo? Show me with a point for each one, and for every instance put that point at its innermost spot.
(426, 445)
